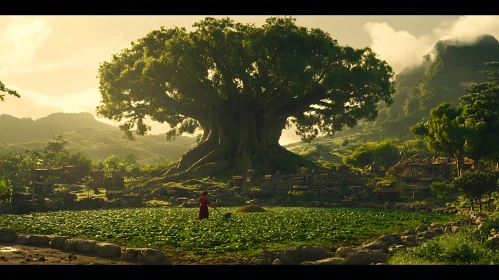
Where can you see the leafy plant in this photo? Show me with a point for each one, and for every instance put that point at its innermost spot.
(178, 228)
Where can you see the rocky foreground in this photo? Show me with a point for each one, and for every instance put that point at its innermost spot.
(374, 252)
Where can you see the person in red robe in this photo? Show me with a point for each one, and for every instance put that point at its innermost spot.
(203, 207)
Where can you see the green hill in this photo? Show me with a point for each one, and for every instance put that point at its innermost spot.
(444, 76)
(83, 132)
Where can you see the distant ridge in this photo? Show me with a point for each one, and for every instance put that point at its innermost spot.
(85, 133)
(444, 76)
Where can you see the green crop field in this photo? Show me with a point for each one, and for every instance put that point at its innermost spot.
(178, 228)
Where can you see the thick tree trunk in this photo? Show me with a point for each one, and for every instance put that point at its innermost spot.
(239, 141)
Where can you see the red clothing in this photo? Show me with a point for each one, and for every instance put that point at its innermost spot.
(203, 207)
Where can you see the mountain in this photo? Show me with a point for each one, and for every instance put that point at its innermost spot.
(448, 69)
(16, 130)
(444, 76)
(83, 132)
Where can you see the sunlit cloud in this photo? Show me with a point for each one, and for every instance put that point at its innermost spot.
(468, 28)
(84, 101)
(399, 48)
(20, 40)
(402, 49)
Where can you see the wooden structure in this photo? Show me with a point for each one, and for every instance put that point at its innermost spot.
(428, 168)
(236, 182)
(100, 180)
(68, 174)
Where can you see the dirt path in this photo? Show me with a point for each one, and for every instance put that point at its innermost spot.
(14, 254)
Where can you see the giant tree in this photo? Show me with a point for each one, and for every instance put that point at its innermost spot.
(443, 133)
(241, 85)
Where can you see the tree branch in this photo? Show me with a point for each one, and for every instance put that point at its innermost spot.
(300, 104)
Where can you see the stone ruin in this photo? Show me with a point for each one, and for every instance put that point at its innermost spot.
(334, 181)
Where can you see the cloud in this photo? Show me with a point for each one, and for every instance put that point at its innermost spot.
(21, 39)
(402, 49)
(84, 101)
(468, 28)
(399, 48)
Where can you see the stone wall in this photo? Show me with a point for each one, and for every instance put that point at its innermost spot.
(88, 247)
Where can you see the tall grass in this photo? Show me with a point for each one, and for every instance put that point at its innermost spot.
(467, 247)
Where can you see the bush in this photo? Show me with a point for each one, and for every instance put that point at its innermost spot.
(441, 188)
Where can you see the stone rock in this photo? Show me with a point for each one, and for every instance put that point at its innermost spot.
(439, 230)
(454, 228)
(57, 242)
(376, 245)
(81, 245)
(7, 235)
(429, 234)
(391, 239)
(38, 240)
(435, 225)
(420, 239)
(366, 257)
(151, 255)
(411, 243)
(395, 248)
(86, 246)
(421, 228)
(277, 262)
(107, 250)
(409, 232)
(22, 239)
(344, 252)
(129, 254)
(299, 254)
(493, 241)
(409, 238)
(327, 261)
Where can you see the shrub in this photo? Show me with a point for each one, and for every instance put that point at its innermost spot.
(441, 188)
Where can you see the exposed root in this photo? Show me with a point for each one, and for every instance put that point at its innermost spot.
(206, 170)
(216, 164)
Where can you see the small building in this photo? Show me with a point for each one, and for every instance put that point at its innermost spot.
(412, 190)
(428, 168)
(387, 193)
(236, 182)
(37, 175)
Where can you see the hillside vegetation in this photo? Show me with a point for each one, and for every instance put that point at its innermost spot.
(83, 132)
(444, 76)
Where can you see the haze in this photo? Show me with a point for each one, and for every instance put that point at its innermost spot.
(52, 60)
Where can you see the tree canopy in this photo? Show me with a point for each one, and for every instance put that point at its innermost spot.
(241, 85)
(381, 155)
(480, 113)
(468, 130)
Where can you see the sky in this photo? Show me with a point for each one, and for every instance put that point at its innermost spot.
(53, 60)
